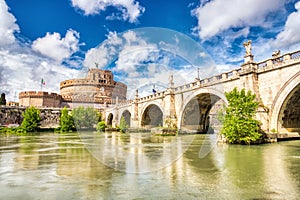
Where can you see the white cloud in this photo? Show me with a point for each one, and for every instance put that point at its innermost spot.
(127, 51)
(129, 9)
(104, 52)
(217, 16)
(290, 35)
(23, 70)
(8, 25)
(57, 48)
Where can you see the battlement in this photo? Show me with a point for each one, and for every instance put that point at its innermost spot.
(33, 94)
(39, 99)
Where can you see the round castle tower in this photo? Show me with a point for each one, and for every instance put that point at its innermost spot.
(98, 87)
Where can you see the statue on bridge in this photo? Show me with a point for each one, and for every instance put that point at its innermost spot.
(171, 82)
(248, 47)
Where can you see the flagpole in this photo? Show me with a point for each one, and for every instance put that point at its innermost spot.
(42, 83)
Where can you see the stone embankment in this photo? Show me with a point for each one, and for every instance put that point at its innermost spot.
(13, 116)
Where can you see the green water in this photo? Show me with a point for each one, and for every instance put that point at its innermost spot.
(142, 166)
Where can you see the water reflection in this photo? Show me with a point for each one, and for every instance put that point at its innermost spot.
(61, 167)
(136, 152)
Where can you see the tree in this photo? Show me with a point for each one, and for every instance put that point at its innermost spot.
(239, 125)
(101, 126)
(31, 119)
(66, 121)
(85, 117)
(2, 99)
(123, 125)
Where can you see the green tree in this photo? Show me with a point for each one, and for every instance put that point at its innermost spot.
(31, 119)
(123, 125)
(239, 125)
(101, 126)
(66, 121)
(2, 99)
(85, 117)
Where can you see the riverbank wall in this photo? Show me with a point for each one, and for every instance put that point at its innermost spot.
(13, 115)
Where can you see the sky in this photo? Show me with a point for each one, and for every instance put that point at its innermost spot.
(141, 41)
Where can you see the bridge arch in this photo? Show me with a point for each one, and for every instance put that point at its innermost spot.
(285, 110)
(127, 116)
(109, 120)
(152, 115)
(200, 110)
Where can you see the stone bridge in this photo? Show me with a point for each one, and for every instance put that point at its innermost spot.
(194, 106)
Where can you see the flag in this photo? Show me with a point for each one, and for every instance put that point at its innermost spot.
(43, 82)
(153, 90)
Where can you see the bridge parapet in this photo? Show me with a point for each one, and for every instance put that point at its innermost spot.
(217, 79)
(152, 96)
(278, 61)
(125, 103)
(226, 76)
(266, 65)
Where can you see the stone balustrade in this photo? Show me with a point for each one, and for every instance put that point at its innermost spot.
(262, 66)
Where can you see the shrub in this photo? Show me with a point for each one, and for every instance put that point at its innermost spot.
(66, 121)
(85, 117)
(101, 126)
(239, 125)
(123, 125)
(31, 119)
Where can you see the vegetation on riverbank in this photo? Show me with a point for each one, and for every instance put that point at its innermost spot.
(239, 124)
(78, 119)
(123, 126)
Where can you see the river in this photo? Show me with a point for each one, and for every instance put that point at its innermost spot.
(143, 166)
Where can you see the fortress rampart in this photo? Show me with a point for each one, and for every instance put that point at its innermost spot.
(13, 115)
(98, 89)
(39, 99)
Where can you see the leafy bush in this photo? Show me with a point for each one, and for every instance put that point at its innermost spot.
(66, 121)
(101, 126)
(31, 119)
(85, 117)
(239, 125)
(123, 125)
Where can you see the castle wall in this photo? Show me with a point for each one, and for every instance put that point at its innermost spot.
(13, 115)
(39, 99)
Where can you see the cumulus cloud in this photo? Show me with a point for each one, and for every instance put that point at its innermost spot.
(8, 25)
(127, 51)
(129, 10)
(142, 59)
(217, 16)
(21, 68)
(290, 35)
(56, 47)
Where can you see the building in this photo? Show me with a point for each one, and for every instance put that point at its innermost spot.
(12, 103)
(98, 89)
(39, 99)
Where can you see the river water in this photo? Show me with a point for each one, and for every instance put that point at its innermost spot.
(143, 166)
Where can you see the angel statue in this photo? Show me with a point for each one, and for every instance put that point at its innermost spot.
(247, 46)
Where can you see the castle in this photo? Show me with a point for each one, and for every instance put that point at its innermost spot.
(98, 89)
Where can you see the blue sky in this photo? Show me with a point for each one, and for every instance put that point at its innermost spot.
(60, 39)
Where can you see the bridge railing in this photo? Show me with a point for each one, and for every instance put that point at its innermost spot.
(152, 96)
(226, 76)
(233, 74)
(279, 60)
(295, 55)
